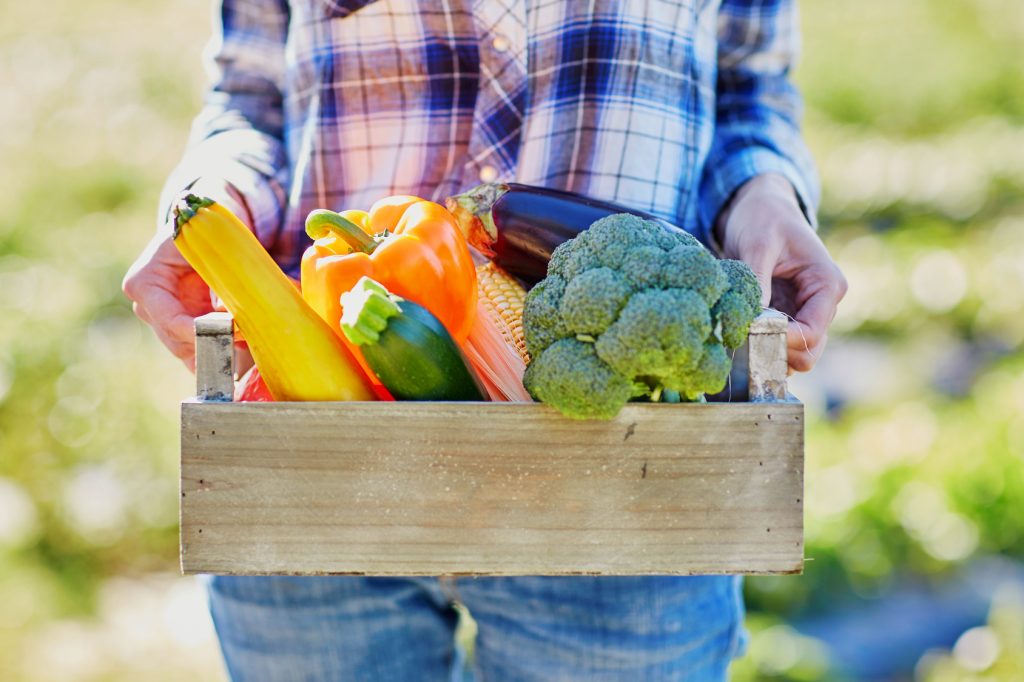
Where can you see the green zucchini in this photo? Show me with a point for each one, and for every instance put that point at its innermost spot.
(406, 346)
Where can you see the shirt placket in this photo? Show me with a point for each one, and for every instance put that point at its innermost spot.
(501, 100)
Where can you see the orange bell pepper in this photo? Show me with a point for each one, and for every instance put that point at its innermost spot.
(410, 245)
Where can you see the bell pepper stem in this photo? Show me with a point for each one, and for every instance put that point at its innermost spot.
(366, 309)
(322, 222)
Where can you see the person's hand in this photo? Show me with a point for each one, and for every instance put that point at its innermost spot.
(764, 227)
(165, 291)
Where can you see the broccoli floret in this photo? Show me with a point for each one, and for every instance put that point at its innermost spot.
(644, 267)
(611, 239)
(743, 281)
(570, 376)
(709, 376)
(693, 267)
(559, 257)
(732, 315)
(658, 332)
(593, 299)
(738, 306)
(683, 239)
(626, 312)
(542, 321)
(604, 244)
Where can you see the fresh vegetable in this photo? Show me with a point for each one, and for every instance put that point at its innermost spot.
(518, 226)
(407, 347)
(413, 247)
(503, 298)
(251, 388)
(735, 307)
(496, 360)
(495, 348)
(299, 356)
(629, 310)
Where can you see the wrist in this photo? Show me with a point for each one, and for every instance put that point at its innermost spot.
(770, 186)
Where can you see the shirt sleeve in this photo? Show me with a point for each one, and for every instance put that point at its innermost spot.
(238, 135)
(758, 109)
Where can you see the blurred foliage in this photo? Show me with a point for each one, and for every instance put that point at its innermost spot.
(994, 651)
(97, 103)
(916, 414)
(915, 111)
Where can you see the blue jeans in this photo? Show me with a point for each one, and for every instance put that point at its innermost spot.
(313, 629)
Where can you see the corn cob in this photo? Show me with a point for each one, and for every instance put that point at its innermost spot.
(502, 296)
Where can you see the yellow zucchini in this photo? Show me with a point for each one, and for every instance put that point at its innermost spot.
(298, 354)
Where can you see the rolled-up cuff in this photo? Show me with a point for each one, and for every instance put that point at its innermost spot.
(262, 197)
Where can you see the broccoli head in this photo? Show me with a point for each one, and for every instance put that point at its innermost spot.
(630, 309)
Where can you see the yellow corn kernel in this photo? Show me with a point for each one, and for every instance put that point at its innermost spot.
(502, 296)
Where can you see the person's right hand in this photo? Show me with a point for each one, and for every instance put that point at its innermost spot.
(168, 295)
(165, 291)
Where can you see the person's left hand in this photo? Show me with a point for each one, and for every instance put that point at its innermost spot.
(764, 227)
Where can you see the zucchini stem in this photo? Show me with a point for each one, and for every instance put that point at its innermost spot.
(366, 309)
(186, 208)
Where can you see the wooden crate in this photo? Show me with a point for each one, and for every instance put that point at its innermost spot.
(491, 488)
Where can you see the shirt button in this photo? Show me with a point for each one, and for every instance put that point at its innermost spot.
(500, 43)
(488, 174)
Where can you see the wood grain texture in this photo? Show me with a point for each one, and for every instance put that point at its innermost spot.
(215, 374)
(490, 488)
(768, 362)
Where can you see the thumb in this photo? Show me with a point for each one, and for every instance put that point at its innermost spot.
(762, 259)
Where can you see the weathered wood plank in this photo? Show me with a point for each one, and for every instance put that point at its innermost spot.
(768, 365)
(490, 488)
(215, 375)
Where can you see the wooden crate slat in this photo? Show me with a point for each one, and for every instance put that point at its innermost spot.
(490, 488)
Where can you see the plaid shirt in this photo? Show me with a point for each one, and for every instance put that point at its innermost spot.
(662, 106)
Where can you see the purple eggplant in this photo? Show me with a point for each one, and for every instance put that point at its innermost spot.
(518, 226)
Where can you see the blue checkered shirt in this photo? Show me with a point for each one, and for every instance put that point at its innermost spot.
(662, 106)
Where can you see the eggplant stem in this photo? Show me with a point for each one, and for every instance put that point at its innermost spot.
(473, 214)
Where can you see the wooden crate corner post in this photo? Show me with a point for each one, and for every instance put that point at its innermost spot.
(215, 358)
(215, 382)
(768, 364)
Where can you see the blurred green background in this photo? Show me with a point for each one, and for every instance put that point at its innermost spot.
(915, 483)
